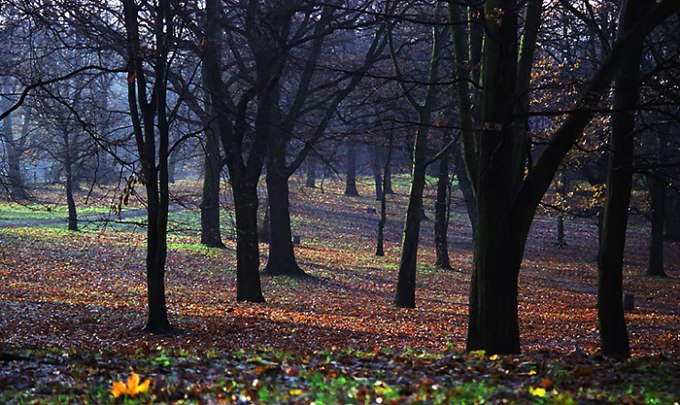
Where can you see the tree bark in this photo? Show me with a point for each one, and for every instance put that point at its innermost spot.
(310, 165)
(247, 250)
(146, 115)
(351, 181)
(70, 200)
(374, 155)
(281, 253)
(657, 197)
(441, 217)
(15, 181)
(672, 217)
(406, 282)
(380, 248)
(465, 187)
(211, 234)
(493, 323)
(563, 188)
(613, 333)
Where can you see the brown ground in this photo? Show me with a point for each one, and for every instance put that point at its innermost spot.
(86, 290)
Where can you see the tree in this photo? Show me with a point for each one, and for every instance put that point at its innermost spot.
(441, 214)
(406, 283)
(147, 90)
(613, 332)
(323, 44)
(265, 28)
(213, 163)
(14, 147)
(507, 197)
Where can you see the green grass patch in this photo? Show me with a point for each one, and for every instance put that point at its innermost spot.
(328, 377)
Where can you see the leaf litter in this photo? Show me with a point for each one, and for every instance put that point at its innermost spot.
(72, 305)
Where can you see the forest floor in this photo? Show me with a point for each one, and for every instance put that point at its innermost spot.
(72, 305)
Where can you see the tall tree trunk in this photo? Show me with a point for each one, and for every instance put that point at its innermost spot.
(493, 324)
(388, 180)
(281, 254)
(351, 181)
(441, 217)
(380, 248)
(211, 234)
(657, 197)
(671, 229)
(70, 200)
(465, 186)
(406, 283)
(13, 155)
(310, 166)
(505, 210)
(563, 188)
(173, 162)
(247, 250)
(146, 115)
(374, 155)
(613, 333)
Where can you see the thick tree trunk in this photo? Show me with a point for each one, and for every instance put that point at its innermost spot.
(493, 324)
(351, 181)
(672, 217)
(281, 253)
(657, 197)
(441, 217)
(247, 250)
(211, 234)
(13, 156)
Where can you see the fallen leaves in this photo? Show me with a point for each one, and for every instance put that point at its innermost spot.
(82, 292)
(132, 388)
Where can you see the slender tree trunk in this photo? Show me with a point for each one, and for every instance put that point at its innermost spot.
(441, 223)
(247, 250)
(613, 333)
(377, 171)
(563, 189)
(281, 253)
(380, 249)
(70, 200)
(146, 116)
(406, 283)
(156, 252)
(351, 182)
(310, 165)
(657, 197)
(465, 187)
(173, 162)
(388, 180)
